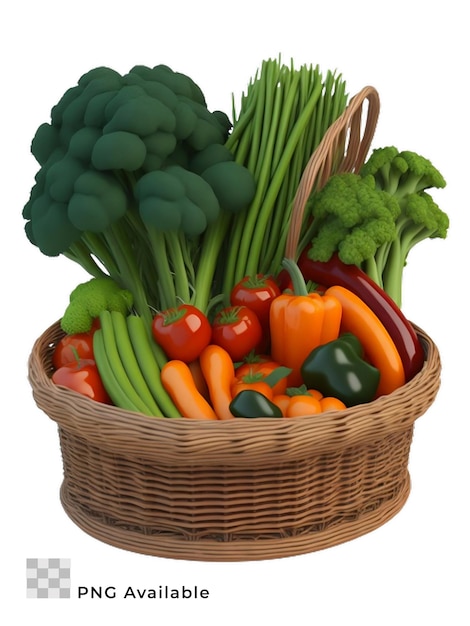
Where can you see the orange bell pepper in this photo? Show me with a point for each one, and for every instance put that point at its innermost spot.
(300, 322)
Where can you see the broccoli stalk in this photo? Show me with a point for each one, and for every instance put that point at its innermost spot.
(420, 219)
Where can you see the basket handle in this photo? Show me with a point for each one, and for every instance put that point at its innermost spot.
(343, 148)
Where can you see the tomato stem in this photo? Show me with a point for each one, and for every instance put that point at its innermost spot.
(255, 281)
(173, 314)
(229, 315)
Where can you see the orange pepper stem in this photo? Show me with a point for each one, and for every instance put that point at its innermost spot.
(298, 283)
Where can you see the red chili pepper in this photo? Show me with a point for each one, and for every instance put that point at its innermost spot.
(72, 347)
(335, 272)
(83, 377)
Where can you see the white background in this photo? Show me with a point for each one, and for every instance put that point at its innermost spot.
(413, 569)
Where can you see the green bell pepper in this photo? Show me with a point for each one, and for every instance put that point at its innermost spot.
(338, 369)
(251, 403)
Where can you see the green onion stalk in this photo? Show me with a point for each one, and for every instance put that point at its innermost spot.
(282, 119)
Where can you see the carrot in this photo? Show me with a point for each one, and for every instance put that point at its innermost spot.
(379, 348)
(179, 383)
(219, 373)
(199, 379)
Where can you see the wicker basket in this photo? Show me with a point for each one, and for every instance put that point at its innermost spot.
(240, 489)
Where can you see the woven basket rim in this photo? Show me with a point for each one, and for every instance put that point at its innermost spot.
(190, 440)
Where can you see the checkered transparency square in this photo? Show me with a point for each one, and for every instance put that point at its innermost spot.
(48, 578)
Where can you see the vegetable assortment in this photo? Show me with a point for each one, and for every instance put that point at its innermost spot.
(180, 217)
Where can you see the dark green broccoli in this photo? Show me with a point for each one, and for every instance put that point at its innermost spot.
(111, 142)
(174, 199)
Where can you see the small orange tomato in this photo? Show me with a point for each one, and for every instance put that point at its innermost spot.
(315, 394)
(260, 386)
(260, 369)
(332, 404)
(303, 405)
(282, 400)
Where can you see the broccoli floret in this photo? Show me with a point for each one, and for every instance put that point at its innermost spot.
(401, 173)
(98, 201)
(352, 218)
(91, 298)
(232, 183)
(374, 218)
(139, 114)
(120, 150)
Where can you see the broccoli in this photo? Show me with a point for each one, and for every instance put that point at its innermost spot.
(406, 176)
(374, 218)
(114, 147)
(91, 298)
(352, 218)
(420, 218)
(401, 173)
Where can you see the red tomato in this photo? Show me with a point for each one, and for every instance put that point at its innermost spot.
(73, 347)
(83, 377)
(238, 330)
(183, 332)
(257, 293)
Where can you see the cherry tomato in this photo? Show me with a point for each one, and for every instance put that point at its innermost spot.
(83, 377)
(257, 293)
(238, 330)
(183, 332)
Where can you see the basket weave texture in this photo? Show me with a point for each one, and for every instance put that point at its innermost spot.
(240, 489)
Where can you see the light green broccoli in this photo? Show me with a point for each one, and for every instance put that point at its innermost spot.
(351, 218)
(407, 177)
(91, 298)
(373, 218)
